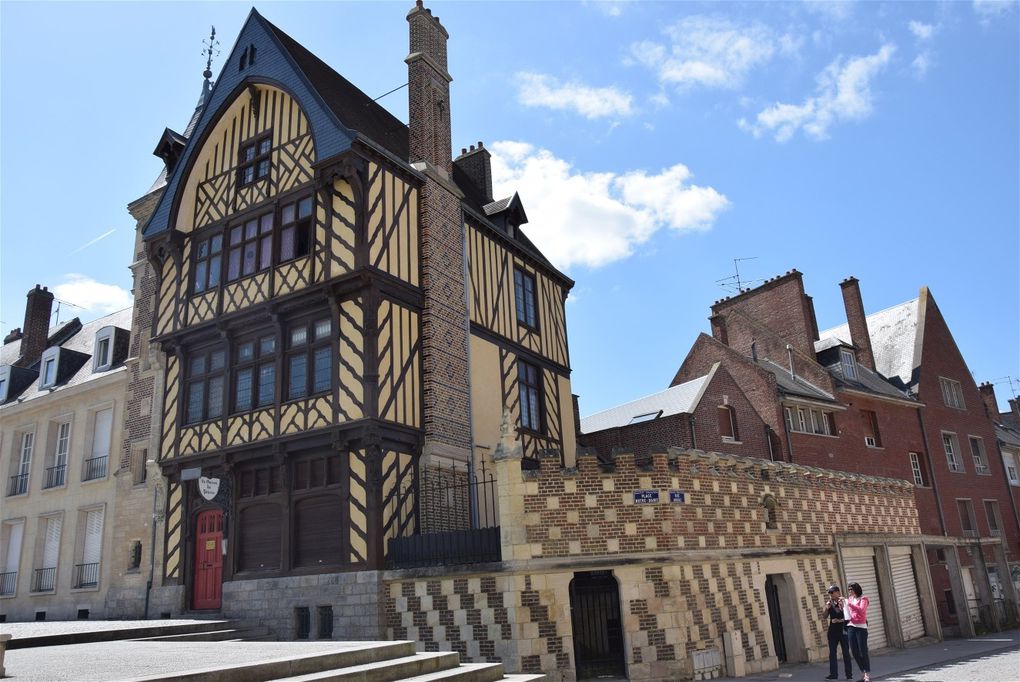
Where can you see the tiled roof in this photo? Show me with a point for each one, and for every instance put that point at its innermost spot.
(794, 385)
(82, 342)
(679, 399)
(893, 334)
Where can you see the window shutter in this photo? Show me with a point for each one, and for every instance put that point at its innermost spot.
(259, 538)
(318, 531)
(51, 549)
(103, 430)
(16, 532)
(93, 536)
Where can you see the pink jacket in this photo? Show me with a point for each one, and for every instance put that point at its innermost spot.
(857, 611)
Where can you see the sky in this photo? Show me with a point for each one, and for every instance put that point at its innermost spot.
(651, 143)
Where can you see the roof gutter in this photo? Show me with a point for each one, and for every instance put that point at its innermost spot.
(885, 398)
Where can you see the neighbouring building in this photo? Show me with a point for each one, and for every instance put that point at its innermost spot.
(340, 315)
(1007, 435)
(61, 395)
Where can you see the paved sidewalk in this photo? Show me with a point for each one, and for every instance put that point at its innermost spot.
(889, 664)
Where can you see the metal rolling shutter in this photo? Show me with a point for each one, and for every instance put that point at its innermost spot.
(93, 537)
(860, 568)
(51, 547)
(908, 604)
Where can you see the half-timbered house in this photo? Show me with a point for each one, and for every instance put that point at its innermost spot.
(339, 305)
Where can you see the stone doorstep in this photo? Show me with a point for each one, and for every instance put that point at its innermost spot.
(290, 666)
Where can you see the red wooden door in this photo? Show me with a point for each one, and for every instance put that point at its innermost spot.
(208, 583)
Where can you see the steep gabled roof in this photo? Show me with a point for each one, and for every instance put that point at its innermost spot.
(679, 399)
(894, 338)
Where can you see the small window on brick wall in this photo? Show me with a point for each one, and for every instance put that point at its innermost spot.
(771, 512)
(872, 438)
(727, 424)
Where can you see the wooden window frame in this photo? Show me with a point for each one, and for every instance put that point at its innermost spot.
(965, 503)
(299, 224)
(264, 355)
(308, 349)
(870, 419)
(849, 362)
(979, 455)
(255, 232)
(260, 154)
(952, 393)
(524, 301)
(727, 416)
(530, 395)
(917, 470)
(209, 263)
(951, 445)
(204, 377)
(992, 514)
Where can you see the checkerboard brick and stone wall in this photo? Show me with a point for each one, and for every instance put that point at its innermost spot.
(691, 575)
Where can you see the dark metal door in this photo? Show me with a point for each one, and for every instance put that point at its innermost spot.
(775, 617)
(598, 627)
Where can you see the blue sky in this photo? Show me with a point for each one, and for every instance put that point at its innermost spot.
(651, 143)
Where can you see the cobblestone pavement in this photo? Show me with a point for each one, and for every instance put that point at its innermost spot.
(1000, 667)
(65, 627)
(126, 660)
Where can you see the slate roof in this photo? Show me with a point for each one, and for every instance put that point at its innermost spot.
(82, 341)
(1008, 435)
(10, 352)
(679, 399)
(867, 381)
(794, 385)
(894, 335)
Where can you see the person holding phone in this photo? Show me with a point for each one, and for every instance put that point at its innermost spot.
(836, 620)
(856, 615)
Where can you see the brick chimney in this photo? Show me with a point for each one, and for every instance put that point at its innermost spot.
(1014, 407)
(718, 323)
(476, 164)
(857, 322)
(13, 335)
(987, 392)
(37, 325)
(428, 90)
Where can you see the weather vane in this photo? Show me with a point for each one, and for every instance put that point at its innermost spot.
(211, 49)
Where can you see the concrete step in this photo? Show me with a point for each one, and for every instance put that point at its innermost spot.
(294, 666)
(87, 636)
(465, 672)
(392, 670)
(523, 678)
(230, 634)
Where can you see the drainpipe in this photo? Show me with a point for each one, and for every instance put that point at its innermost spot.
(768, 439)
(789, 441)
(694, 434)
(931, 472)
(156, 517)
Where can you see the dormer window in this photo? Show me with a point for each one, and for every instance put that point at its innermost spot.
(849, 363)
(103, 355)
(5, 381)
(48, 367)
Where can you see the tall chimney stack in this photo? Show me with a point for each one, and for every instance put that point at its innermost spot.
(37, 325)
(477, 165)
(1014, 407)
(987, 392)
(428, 88)
(857, 322)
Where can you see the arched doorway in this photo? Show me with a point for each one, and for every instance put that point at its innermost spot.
(597, 625)
(207, 587)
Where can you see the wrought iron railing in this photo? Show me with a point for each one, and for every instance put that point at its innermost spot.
(18, 485)
(8, 583)
(86, 575)
(450, 517)
(95, 467)
(55, 476)
(44, 579)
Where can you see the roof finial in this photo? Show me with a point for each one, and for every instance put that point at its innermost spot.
(211, 46)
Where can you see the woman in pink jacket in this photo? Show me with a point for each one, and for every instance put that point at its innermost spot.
(856, 615)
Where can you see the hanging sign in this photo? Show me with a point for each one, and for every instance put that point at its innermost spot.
(208, 487)
(646, 497)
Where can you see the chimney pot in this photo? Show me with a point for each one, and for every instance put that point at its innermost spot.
(479, 144)
(472, 147)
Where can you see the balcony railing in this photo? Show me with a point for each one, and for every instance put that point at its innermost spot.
(18, 485)
(8, 583)
(86, 575)
(55, 476)
(95, 467)
(44, 579)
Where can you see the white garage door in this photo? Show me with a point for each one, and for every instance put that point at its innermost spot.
(859, 564)
(908, 604)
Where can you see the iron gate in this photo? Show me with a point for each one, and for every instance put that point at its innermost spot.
(598, 628)
(775, 617)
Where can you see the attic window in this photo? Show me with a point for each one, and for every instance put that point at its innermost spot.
(5, 381)
(849, 364)
(254, 160)
(103, 356)
(647, 417)
(48, 367)
(247, 58)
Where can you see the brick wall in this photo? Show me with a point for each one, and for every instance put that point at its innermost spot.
(781, 302)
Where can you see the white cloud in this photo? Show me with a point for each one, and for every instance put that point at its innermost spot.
(540, 90)
(921, 30)
(711, 52)
(591, 219)
(92, 296)
(835, 10)
(989, 9)
(843, 93)
(921, 64)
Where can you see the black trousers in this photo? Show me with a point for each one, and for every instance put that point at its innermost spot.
(859, 647)
(838, 638)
